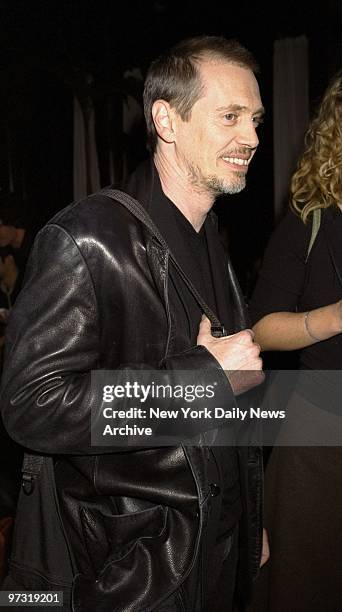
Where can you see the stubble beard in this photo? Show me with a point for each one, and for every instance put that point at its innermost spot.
(215, 185)
(219, 186)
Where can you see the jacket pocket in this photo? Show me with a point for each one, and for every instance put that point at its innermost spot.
(109, 537)
(129, 558)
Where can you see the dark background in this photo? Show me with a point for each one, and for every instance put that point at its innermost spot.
(52, 50)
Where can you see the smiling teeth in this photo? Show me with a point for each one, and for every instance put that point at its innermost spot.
(236, 160)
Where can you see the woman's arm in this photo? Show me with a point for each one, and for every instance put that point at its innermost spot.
(288, 331)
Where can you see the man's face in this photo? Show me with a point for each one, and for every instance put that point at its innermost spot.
(218, 142)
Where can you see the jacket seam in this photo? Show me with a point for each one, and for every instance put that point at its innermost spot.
(74, 241)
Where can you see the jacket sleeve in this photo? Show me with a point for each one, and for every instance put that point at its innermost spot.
(53, 344)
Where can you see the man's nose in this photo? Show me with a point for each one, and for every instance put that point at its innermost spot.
(247, 135)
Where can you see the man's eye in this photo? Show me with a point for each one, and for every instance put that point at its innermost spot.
(230, 116)
(258, 121)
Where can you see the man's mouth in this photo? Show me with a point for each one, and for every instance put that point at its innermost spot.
(239, 161)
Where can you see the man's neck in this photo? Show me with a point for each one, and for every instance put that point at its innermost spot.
(193, 202)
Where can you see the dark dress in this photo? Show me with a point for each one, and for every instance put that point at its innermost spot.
(303, 486)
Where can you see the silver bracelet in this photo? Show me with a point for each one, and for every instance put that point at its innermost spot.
(306, 323)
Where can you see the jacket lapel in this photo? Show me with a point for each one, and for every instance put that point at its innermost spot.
(230, 302)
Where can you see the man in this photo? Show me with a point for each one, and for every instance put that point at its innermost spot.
(148, 528)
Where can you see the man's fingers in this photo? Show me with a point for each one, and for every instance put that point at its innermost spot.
(204, 328)
(204, 324)
(265, 555)
(245, 336)
(244, 380)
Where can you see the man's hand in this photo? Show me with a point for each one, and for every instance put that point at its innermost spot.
(265, 553)
(237, 354)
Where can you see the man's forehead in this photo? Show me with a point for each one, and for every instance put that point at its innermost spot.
(232, 83)
(216, 66)
(227, 72)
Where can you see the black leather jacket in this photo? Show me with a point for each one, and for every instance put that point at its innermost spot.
(96, 296)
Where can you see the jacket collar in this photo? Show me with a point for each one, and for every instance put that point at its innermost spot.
(140, 184)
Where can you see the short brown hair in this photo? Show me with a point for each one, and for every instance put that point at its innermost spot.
(175, 78)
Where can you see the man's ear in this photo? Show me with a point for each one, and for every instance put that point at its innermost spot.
(162, 115)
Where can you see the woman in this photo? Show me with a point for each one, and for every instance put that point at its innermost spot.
(297, 306)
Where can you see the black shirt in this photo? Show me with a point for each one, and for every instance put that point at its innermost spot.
(197, 252)
(288, 282)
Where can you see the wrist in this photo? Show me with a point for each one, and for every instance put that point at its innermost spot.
(308, 327)
(337, 317)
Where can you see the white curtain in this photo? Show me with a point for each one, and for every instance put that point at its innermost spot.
(290, 112)
(86, 167)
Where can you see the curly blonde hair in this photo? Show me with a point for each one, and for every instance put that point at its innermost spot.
(317, 182)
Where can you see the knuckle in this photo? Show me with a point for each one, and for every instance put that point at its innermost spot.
(249, 332)
(256, 350)
(259, 363)
(258, 347)
(244, 334)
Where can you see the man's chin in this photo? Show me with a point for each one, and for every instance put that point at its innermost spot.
(220, 187)
(233, 187)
